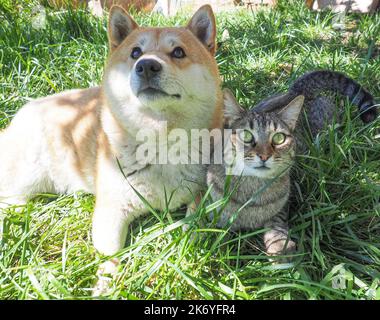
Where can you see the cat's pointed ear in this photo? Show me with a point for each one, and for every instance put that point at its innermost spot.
(203, 26)
(232, 109)
(120, 25)
(291, 112)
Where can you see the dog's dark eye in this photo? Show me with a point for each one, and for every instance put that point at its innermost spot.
(136, 53)
(178, 53)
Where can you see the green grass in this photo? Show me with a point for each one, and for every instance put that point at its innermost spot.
(46, 251)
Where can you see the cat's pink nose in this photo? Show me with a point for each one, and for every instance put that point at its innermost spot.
(263, 157)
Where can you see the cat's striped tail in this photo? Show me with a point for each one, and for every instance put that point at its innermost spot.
(315, 82)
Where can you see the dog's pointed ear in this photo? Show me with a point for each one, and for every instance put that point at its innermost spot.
(290, 113)
(120, 25)
(232, 108)
(203, 26)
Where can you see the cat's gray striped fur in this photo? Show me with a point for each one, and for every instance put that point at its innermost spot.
(320, 107)
(260, 195)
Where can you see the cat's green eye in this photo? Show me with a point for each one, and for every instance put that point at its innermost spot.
(246, 136)
(278, 138)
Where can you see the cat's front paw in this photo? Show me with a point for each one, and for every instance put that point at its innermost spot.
(282, 247)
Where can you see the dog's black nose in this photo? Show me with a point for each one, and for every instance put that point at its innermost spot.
(148, 68)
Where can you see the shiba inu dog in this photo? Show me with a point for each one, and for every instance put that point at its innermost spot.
(86, 139)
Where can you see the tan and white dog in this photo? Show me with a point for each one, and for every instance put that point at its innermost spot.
(82, 139)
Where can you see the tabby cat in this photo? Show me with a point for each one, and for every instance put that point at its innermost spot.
(267, 133)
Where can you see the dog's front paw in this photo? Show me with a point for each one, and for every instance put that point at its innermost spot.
(105, 275)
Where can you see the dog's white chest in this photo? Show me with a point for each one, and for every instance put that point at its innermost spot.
(165, 185)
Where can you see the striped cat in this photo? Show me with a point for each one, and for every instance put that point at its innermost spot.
(267, 134)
